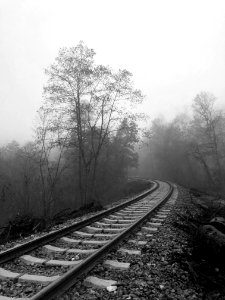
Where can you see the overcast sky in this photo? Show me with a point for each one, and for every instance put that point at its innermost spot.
(174, 49)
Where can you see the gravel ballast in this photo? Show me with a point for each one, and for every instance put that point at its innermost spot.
(160, 272)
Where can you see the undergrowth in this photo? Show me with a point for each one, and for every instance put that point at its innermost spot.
(24, 225)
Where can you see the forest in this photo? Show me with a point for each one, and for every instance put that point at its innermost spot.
(88, 142)
(190, 149)
(84, 139)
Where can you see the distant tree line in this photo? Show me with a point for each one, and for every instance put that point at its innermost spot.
(84, 140)
(190, 149)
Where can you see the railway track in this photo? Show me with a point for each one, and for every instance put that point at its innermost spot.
(46, 267)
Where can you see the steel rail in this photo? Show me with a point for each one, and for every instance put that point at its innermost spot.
(17, 251)
(59, 286)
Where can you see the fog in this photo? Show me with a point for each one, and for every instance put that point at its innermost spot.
(189, 149)
(175, 49)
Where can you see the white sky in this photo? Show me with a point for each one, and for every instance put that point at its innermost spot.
(174, 49)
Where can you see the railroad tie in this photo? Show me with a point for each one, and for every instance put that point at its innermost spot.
(92, 281)
(128, 251)
(31, 260)
(10, 298)
(149, 229)
(5, 274)
(115, 264)
(140, 243)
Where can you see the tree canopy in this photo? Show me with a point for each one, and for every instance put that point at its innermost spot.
(85, 105)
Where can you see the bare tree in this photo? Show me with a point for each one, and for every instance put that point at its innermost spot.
(90, 101)
(50, 155)
(206, 132)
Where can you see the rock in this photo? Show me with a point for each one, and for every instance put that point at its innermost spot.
(28, 290)
(213, 239)
(111, 288)
(218, 219)
(218, 223)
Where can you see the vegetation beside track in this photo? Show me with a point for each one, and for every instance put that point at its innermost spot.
(25, 226)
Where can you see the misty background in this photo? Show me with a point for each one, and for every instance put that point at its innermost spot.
(67, 145)
(174, 49)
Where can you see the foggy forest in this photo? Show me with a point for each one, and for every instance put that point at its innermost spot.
(88, 142)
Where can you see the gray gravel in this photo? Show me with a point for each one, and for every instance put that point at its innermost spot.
(78, 237)
(160, 272)
(20, 289)
(62, 244)
(19, 266)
